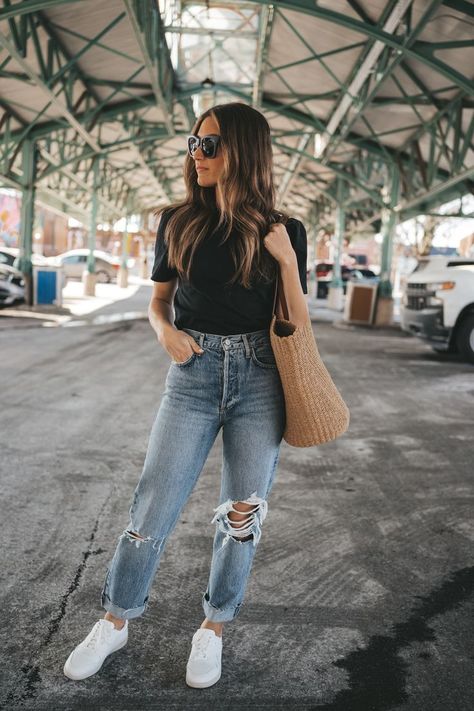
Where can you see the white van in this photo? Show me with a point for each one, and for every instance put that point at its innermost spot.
(438, 303)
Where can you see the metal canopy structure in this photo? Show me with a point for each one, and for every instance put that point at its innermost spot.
(370, 101)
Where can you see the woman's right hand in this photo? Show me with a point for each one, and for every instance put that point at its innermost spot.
(178, 344)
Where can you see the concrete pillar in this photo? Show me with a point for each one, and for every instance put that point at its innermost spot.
(28, 181)
(88, 276)
(336, 291)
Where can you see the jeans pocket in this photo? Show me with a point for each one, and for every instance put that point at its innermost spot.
(185, 362)
(263, 355)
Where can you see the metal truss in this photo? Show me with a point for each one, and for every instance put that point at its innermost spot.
(68, 144)
(83, 120)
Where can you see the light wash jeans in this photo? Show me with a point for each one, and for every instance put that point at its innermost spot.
(235, 385)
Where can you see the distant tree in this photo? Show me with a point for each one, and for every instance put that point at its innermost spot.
(429, 227)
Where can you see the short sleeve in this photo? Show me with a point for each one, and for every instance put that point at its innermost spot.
(161, 270)
(299, 241)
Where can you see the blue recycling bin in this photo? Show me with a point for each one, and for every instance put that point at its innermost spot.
(47, 284)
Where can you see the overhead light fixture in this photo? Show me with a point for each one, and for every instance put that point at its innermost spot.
(207, 83)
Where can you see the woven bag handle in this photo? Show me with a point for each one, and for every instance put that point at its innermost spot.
(282, 301)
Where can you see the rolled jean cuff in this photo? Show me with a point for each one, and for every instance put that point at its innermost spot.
(215, 614)
(120, 612)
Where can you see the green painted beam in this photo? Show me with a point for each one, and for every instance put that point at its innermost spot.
(465, 7)
(383, 67)
(309, 7)
(28, 6)
(336, 168)
(371, 146)
(265, 20)
(145, 19)
(116, 110)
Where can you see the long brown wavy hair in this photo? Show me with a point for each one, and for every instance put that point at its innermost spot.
(246, 192)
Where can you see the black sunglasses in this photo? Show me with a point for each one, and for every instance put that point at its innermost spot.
(208, 144)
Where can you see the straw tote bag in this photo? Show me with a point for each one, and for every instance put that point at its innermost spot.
(315, 410)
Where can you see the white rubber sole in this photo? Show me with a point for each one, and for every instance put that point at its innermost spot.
(203, 682)
(78, 677)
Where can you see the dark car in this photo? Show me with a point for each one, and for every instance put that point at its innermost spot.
(366, 275)
(323, 273)
(12, 286)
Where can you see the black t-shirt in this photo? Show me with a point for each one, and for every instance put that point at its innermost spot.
(206, 303)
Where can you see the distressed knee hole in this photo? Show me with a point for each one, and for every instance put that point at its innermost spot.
(138, 539)
(241, 520)
(135, 535)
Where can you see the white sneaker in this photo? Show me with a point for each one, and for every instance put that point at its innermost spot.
(204, 664)
(87, 658)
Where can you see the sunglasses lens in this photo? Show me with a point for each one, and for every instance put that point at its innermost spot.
(208, 147)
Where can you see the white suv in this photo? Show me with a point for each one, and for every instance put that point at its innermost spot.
(438, 303)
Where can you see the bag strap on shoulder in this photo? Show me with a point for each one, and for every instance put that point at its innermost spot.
(282, 305)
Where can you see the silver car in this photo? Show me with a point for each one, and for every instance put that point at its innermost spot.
(12, 286)
(74, 263)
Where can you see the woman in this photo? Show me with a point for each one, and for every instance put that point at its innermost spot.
(216, 257)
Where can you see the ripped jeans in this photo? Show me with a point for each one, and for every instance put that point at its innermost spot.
(235, 385)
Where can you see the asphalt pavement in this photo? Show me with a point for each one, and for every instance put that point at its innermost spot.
(361, 593)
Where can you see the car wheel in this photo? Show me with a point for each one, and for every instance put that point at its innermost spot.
(102, 277)
(465, 338)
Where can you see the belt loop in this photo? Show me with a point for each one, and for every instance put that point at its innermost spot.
(201, 339)
(246, 344)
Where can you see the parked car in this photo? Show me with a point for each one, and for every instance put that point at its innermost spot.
(438, 304)
(12, 286)
(74, 263)
(323, 272)
(364, 275)
(361, 260)
(8, 255)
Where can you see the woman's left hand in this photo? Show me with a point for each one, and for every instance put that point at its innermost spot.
(278, 244)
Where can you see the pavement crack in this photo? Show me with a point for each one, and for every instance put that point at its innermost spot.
(31, 674)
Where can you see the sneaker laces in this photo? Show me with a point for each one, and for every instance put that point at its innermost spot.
(201, 645)
(97, 634)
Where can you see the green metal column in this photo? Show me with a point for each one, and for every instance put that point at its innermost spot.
(29, 163)
(124, 260)
(389, 223)
(93, 220)
(312, 269)
(125, 252)
(336, 281)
